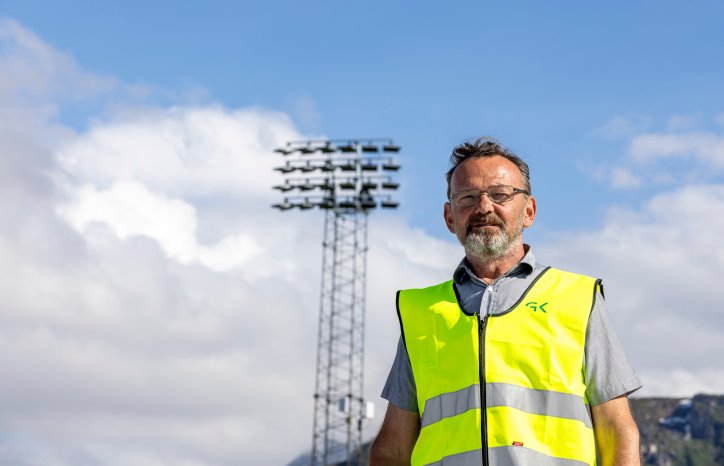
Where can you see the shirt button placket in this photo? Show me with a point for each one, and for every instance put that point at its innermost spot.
(486, 304)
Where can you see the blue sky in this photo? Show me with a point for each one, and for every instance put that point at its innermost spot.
(542, 79)
(143, 265)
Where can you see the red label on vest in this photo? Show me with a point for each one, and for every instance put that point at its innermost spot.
(517, 444)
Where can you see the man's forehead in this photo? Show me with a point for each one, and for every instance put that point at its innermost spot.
(487, 168)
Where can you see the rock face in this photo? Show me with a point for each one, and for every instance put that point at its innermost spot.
(677, 432)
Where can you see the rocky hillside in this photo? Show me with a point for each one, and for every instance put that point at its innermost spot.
(677, 432)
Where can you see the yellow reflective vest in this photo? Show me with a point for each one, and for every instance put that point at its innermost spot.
(527, 374)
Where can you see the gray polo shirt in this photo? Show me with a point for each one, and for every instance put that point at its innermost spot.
(607, 372)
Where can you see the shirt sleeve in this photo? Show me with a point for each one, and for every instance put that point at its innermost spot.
(607, 372)
(400, 389)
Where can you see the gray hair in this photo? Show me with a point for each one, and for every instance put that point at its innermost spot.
(485, 147)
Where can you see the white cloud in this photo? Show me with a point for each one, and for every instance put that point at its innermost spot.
(683, 122)
(141, 172)
(679, 155)
(703, 147)
(622, 178)
(190, 151)
(168, 314)
(623, 126)
(130, 209)
(33, 70)
(111, 353)
(306, 112)
(661, 268)
(681, 382)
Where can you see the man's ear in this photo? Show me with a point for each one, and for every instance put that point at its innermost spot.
(447, 213)
(530, 210)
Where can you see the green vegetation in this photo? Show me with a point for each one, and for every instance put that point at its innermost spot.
(699, 453)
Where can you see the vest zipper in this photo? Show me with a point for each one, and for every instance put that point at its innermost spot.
(483, 321)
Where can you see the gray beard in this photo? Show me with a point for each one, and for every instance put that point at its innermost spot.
(487, 246)
(492, 246)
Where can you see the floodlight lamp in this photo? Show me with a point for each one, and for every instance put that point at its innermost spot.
(370, 148)
(390, 185)
(307, 168)
(368, 166)
(347, 148)
(328, 148)
(307, 186)
(390, 166)
(305, 205)
(347, 184)
(367, 185)
(284, 187)
(389, 204)
(285, 168)
(327, 167)
(284, 150)
(347, 204)
(326, 185)
(390, 148)
(286, 205)
(307, 150)
(366, 200)
(348, 167)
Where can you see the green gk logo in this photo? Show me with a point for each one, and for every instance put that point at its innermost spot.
(537, 307)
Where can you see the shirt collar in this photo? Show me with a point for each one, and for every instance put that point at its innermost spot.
(464, 272)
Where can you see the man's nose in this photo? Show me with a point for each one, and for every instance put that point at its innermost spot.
(484, 205)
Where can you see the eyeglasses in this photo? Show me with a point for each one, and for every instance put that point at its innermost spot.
(499, 194)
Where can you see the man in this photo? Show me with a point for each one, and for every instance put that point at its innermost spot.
(530, 344)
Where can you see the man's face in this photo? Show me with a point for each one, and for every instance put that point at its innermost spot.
(489, 230)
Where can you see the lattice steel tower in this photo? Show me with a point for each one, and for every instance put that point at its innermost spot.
(347, 179)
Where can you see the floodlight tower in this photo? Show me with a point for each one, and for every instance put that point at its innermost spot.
(347, 178)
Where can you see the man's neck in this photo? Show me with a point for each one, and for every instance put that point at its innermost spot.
(488, 270)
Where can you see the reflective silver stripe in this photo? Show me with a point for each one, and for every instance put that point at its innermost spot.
(548, 403)
(506, 456)
(555, 404)
(450, 404)
(524, 456)
(469, 458)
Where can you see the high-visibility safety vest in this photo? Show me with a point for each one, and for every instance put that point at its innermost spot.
(527, 374)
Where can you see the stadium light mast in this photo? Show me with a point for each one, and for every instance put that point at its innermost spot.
(347, 178)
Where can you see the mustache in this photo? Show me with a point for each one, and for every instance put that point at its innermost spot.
(490, 219)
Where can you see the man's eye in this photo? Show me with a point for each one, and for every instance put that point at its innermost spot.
(498, 197)
(467, 199)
